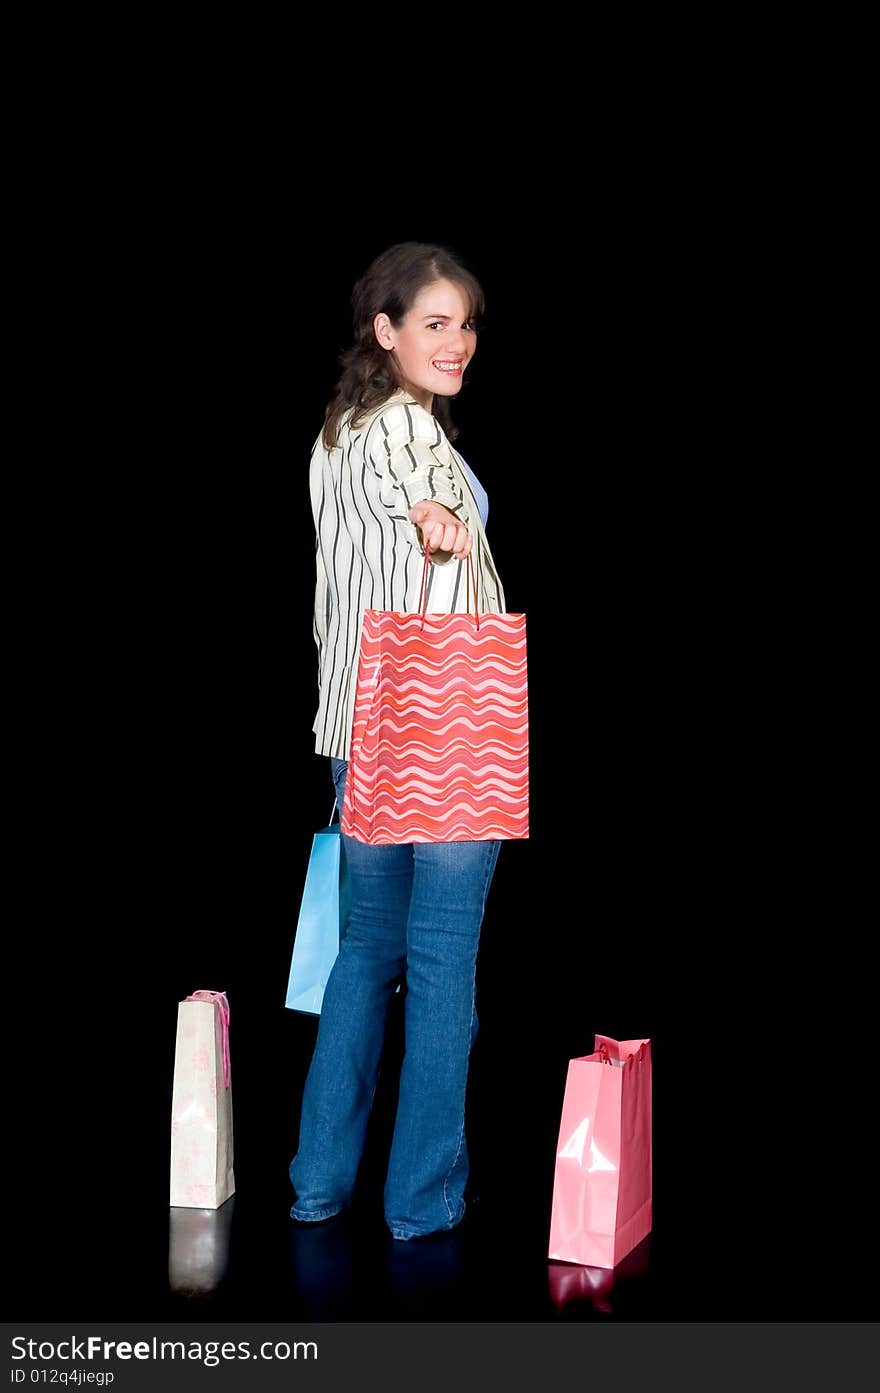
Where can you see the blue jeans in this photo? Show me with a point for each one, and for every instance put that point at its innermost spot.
(416, 912)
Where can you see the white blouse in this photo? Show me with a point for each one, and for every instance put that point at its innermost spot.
(368, 555)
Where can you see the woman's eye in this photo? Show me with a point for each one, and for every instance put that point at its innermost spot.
(437, 324)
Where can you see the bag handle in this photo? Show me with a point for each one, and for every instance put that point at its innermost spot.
(469, 578)
(219, 999)
(632, 1059)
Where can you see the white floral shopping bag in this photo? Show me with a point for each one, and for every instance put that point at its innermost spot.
(201, 1104)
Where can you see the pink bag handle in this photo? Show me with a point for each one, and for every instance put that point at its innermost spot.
(605, 1057)
(423, 593)
(219, 999)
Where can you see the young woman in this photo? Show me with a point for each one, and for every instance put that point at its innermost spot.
(385, 484)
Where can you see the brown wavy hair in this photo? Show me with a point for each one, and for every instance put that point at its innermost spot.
(391, 284)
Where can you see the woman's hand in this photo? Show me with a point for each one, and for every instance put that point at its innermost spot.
(441, 529)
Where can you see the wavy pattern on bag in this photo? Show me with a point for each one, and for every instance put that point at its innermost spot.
(439, 745)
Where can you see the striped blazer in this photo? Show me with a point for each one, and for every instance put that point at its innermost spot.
(369, 555)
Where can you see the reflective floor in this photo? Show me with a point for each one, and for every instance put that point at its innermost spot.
(761, 1184)
(89, 1233)
(110, 1246)
(348, 1270)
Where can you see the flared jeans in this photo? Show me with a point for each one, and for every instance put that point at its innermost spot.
(416, 912)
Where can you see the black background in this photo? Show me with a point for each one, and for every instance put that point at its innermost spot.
(172, 782)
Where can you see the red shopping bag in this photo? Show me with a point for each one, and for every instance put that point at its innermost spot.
(602, 1185)
(440, 737)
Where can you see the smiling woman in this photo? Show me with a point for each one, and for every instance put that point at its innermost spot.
(435, 342)
(416, 310)
(390, 494)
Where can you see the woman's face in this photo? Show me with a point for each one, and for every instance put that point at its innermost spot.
(434, 344)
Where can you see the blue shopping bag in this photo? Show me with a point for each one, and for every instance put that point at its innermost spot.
(323, 918)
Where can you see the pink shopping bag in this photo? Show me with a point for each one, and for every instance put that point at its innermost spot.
(602, 1188)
